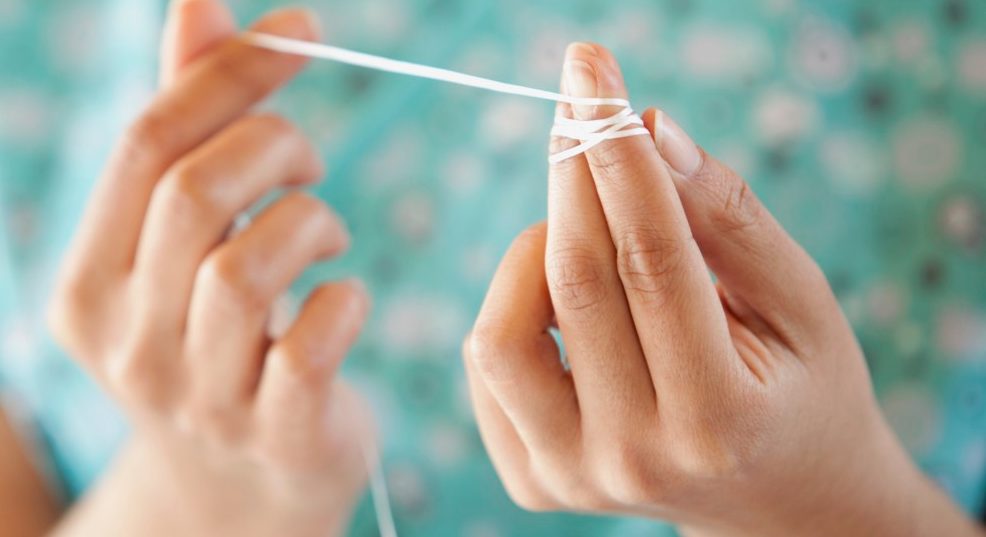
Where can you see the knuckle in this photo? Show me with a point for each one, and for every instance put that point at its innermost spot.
(235, 71)
(648, 260)
(736, 207)
(626, 475)
(151, 137)
(585, 499)
(528, 497)
(739, 209)
(132, 374)
(231, 278)
(312, 212)
(707, 457)
(611, 162)
(318, 220)
(486, 347)
(297, 360)
(576, 277)
(725, 439)
(276, 130)
(569, 488)
(190, 190)
(69, 312)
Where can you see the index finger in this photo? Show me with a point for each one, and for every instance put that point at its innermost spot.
(515, 356)
(209, 95)
(679, 319)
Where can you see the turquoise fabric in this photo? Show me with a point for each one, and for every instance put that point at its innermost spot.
(859, 124)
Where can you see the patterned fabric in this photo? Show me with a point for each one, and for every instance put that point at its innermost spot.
(856, 122)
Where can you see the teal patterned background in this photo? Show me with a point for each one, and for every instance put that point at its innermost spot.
(860, 124)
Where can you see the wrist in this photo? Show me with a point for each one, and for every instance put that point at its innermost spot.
(223, 493)
(880, 493)
(158, 487)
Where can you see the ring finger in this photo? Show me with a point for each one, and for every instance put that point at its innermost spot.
(234, 291)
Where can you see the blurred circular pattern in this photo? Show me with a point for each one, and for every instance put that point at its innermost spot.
(725, 53)
(911, 41)
(783, 116)
(27, 117)
(962, 333)
(824, 55)
(962, 220)
(854, 163)
(972, 67)
(913, 413)
(927, 153)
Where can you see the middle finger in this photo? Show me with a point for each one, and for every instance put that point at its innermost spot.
(590, 307)
(678, 318)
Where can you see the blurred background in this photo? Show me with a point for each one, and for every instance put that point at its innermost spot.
(860, 124)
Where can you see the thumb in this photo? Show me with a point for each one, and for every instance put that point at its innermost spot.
(192, 27)
(753, 257)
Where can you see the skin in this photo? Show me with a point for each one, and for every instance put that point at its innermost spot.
(26, 505)
(739, 406)
(236, 431)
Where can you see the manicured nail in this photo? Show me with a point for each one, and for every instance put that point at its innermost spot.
(580, 80)
(674, 144)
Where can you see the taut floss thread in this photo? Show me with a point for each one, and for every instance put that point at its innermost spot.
(589, 134)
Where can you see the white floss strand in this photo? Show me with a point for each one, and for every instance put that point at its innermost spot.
(378, 490)
(588, 133)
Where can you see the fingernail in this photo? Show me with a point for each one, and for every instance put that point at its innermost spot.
(674, 144)
(580, 81)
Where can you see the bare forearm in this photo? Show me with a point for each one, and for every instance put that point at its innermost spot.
(124, 504)
(27, 508)
(152, 491)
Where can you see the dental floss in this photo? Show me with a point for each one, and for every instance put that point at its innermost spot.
(588, 133)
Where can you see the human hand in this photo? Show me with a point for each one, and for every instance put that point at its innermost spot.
(250, 434)
(736, 407)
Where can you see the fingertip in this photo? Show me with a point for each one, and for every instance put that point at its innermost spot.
(591, 71)
(676, 146)
(361, 299)
(192, 27)
(580, 51)
(295, 23)
(651, 118)
(315, 169)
